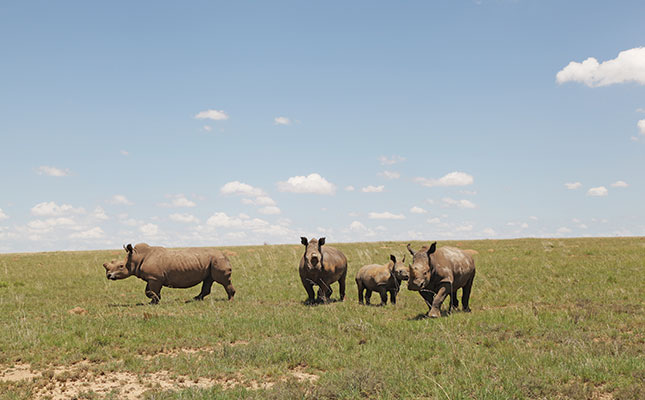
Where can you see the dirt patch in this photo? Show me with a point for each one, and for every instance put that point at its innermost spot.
(17, 373)
(299, 373)
(77, 311)
(190, 350)
(229, 253)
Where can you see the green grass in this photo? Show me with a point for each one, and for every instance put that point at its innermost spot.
(550, 319)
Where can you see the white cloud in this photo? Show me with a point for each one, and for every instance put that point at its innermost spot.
(124, 153)
(451, 179)
(489, 232)
(53, 209)
(641, 126)
(390, 174)
(94, 233)
(99, 213)
(417, 210)
(51, 171)
(598, 191)
(281, 121)
(178, 200)
(563, 230)
(269, 210)
(185, 218)
(149, 229)
(356, 226)
(312, 183)
(573, 185)
(391, 161)
(260, 201)
(533, 218)
(449, 202)
(119, 199)
(385, 215)
(239, 188)
(373, 189)
(50, 223)
(215, 115)
(221, 220)
(434, 220)
(629, 66)
(620, 184)
(350, 188)
(464, 228)
(3, 215)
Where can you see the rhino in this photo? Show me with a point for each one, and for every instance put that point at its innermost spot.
(181, 268)
(322, 266)
(381, 278)
(437, 273)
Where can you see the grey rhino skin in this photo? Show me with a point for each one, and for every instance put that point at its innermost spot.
(321, 266)
(182, 268)
(437, 273)
(382, 279)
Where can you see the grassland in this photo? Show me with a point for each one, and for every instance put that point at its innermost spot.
(550, 319)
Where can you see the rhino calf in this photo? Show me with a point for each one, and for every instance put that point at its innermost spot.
(321, 266)
(181, 268)
(382, 279)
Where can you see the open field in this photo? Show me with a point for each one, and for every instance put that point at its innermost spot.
(550, 319)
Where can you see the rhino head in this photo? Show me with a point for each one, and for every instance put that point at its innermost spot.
(116, 269)
(421, 268)
(313, 252)
(398, 269)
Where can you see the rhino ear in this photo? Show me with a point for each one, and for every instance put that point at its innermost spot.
(410, 249)
(433, 248)
(393, 258)
(128, 248)
(321, 241)
(403, 262)
(303, 240)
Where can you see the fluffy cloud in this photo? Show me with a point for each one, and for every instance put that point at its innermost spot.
(184, 218)
(599, 191)
(417, 210)
(178, 200)
(620, 184)
(350, 188)
(119, 199)
(573, 185)
(451, 179)
(312, 183)
(51, 171)
(221, 220)
(269, 210)
(281, 121)
(391, 161)
(260, 201)
(3, 215)
(385, 215)
(489, 232)
(641, 126)
(94, 233)
(373, 189)
(239, 188)
(149, 229)
(357, 226)
(390, 175)
(52, 209)
(215, 115)
(50, 223)
(629, 66)
(449, 202)
(99, 213)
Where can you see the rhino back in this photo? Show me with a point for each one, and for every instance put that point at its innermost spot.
(454, 265)
(178, 268)
(374, 275)
(334, 261)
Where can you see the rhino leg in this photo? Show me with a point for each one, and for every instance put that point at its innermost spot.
(309, 287)
(393, 296)
(454, 301)
(206, 289)
(368, 296)
(324, 292)
(383, 292)
(465, 297)
(153, 291)
(361, 288)
(442, 293)
(341, 284)
(230, 290)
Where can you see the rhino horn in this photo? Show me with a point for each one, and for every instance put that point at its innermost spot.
(410, 249)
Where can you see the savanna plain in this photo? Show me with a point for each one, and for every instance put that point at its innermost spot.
(551, 318)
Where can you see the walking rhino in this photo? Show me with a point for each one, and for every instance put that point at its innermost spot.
(182, 268)
(321, 266)
(437, 273)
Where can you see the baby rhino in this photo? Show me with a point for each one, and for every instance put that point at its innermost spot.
(382, 279)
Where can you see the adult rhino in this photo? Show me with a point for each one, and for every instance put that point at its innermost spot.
(322, 266)
(436, 273)
(181, 268)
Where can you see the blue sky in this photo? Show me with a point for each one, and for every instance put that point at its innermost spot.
(224, 123)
